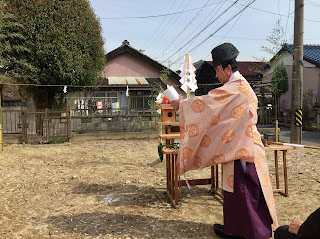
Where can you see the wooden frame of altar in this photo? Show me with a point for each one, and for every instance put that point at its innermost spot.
(169, 135)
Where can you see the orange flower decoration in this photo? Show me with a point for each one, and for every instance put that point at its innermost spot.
(197, 162)
(244, 88)
(237, 112)
(215, 120)
(193, 130)
(256, 138)
(187, 153)
(257, 162)
(228, 136)
(230, 181)
(218, 158)
(222, 96)
(254, 103)
(182, 132)
(242, 154)
(205, 142)
(249, 132)
(198, 105)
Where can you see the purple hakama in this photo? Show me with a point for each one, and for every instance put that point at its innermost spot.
(245, 210)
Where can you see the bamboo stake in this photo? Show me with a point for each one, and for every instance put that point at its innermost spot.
(277, 136)
(1, 137)
(294, 145)
(1, 133)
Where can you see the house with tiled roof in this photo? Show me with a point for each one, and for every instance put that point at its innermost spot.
(127, 66)
(127, 71)
(311, 72)
(206, 79)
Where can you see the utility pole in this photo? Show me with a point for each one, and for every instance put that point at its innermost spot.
(297, 74)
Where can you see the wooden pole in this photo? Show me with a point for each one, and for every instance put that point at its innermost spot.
(46, 113)
(277, 168)
(1, 137)
(297, 71)
(277, 131)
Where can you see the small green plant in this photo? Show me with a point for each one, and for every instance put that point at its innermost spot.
(170, 146)
(83, 130)
(139, 122)
(58, 140)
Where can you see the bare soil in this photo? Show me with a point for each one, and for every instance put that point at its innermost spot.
(116, 189)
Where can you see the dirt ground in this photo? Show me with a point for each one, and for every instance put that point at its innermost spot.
(116, 189)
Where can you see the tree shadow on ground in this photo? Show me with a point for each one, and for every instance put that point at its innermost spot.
(100, 223)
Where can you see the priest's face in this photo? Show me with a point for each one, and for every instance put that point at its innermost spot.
(223, 75)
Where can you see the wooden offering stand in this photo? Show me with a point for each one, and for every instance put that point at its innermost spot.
(169, 136)
(283, 148)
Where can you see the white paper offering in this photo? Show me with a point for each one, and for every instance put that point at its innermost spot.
(171, 93)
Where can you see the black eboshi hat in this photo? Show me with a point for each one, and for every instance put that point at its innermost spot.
(222, 53)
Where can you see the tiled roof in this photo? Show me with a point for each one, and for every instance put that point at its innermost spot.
(311, 53)
(125, 47)
(198, 64)
(137, 82)
(248, 68)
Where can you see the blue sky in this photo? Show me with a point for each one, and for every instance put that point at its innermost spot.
(165, 38)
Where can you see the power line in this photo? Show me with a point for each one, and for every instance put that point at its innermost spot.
(228, 8)
(162, 33)
(279, 14)
(285, 33)
(154, 33)
(153, 16)
(192, 9)
(186, 26)
(196, 36)
(238, 17)
(229, 20)
(313, 4)
(100, 86)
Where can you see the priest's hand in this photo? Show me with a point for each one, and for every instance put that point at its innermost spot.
(175, 103)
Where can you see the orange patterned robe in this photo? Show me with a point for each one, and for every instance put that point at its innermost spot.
(221, 127)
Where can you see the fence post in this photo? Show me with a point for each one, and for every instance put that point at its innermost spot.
(1, 137)
(23, 125)
(46, 116)
(68, 120)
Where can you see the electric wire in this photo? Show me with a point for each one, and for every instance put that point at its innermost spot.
(198, 35)
(188, 24)
(154, 33)
(166, 28)
(168, 14)
(228, 8)
(238, 17)
(223, 25)
(196, 28)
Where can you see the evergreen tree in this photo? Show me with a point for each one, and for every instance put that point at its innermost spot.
(279, 84)
(14, 64)
(65, 43)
